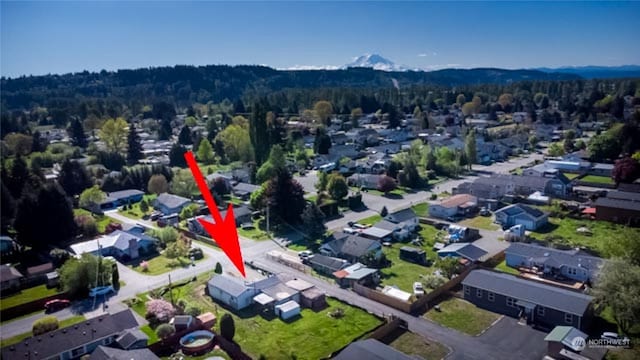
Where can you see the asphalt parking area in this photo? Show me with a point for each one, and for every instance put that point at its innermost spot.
(523, 341)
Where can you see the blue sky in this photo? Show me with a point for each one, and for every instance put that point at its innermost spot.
(60, 37)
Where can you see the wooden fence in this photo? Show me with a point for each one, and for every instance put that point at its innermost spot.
(422, 303)
(376, 295)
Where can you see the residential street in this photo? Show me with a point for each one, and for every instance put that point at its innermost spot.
(465, 347)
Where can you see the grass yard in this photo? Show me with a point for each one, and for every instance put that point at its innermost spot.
(135, 212)
(398, 192)
(463, 316)
(480, 222)
(62, 324)
(320, 333)
(256, 233)
(598, 179)
(571, 176)
(27, 295)
(413, 344)
(421, 209)
(607, 238)
(502, 266)
(101, 220)
(370, 220)
(160, 264)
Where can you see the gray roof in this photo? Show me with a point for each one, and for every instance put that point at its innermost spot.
(9, 273)
(623, 195)
(618, 204)
(332, 263)
(124, 193)
(516, 209)
(130, 337)
(601, 166)
(402, 215)
(370, 349)
(171, 200)
(573, 258)
(107, 353)
(352, 245)
(230, 285)
(540, 294)
(361, 273)
(245, 187)
(386, 225)
(73, 336)
(465, 250)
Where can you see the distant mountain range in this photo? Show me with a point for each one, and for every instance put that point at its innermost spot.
(376, 62)
(597, 72)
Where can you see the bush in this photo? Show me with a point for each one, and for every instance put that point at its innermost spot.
(44, 325)
(433, 281)
(165, 330)
(193, 311)
(58, 257)
(337, 313)
(196, 253)
(218, 269)
(144, 266)
(87, 225)
(434, 196)
(227, 327)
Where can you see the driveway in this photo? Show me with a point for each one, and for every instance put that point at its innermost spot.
(522, 341)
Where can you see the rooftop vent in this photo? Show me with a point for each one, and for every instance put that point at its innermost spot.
(546, 254)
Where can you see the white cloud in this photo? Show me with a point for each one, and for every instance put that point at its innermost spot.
(423, 55)
(427, 54)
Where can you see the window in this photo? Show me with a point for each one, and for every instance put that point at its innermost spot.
(479, 293)
(467, 290)
(568, 318)
(572, 271)
(77, 351)
(540, 310)
(491, 296)
(511, 302)
(107, 340)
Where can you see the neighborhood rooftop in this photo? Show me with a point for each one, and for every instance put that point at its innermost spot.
(574, 258)
(515, 287)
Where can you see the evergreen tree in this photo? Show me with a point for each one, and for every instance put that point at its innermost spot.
(18, 176)
(238, 107)
(212, 129)
(258, 130)
(286, 198)
(470, 148)
(78, 137)
(227, 327)
(322, 142)
(313, 221)
(7, 207)
(37, 144)
(134, 148)
(176, 156)
(205, 152)
(165, 131)
(184, 137)
(73, 177)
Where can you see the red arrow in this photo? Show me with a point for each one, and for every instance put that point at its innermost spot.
(223, 231)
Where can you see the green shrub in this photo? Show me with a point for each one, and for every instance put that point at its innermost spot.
(44, 325)
(218, 269)
(193, 311)
(165, 330)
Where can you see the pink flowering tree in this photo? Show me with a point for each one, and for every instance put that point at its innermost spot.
(160, 311)
(144, 266)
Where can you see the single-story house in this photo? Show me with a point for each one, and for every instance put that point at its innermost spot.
(371, 349)
(74, 341)
(366, 181)
(462, 250)
(620, 207)
(244, 190)
(170, 203)
(7, 246)
(357, 273)
(519, 214)
(9, 277)
(599, 169)
(119, 198)
(384, 231)
(502, 184)
(461, 204)
(327, 264)
(538, 303)
(573, 264)
(407, 219)
(242, 215)
(231, 291)
(567, 342)
(351, 248)
(119, 244)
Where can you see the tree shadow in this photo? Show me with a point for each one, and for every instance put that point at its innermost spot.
(393, 196)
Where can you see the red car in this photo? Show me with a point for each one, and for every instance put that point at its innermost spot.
(56, 304)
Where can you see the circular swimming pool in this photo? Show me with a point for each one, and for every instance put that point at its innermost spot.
(197, 342)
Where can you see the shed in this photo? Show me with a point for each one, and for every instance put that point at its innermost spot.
(288, 310)
(313, 298)
(414, 255)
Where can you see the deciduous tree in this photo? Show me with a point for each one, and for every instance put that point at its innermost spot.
(158, 184)
(323, 110)
(386, 184)
(91, 197)
(205, 152)
(618, 286)
(625, 170)
(337, 186)
(114, 135)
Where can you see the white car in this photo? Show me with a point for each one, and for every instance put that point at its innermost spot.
(613, 336)
(418, 290)
(305, 254)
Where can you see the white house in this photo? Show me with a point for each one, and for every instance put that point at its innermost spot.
(231, 291)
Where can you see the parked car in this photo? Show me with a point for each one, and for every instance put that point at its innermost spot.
(155, 215)
(418, 289)
(484, 211)
(56, 304)
(305, 254)
(361, 226)
(614, 336)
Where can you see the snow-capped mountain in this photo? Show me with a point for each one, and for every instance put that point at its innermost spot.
(376, 62)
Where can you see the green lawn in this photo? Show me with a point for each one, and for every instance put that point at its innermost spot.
(607, 239)
(314, 335)
(26, 295)
(402, 273)
(502, 266)
(160, 264)
(101, 220)
(571, 176)
(598, 179)
(256, 233)
(480, 222)
(397, 192)
(463, 316)
(135, 212)
(370, 220)
(421, 209)
(62, 324)
(413, 344)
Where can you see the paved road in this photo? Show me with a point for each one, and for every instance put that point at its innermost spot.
(465, 346)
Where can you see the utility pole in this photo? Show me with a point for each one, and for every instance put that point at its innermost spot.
(268, 203)
(171, 291)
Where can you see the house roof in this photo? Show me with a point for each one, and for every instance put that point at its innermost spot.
(458, 200)
(230, 285)
(334, 264)
(361, 273)
(130, 337)
(377, 232)
(565, 335)
(71, 337)
(42, 268)
(370, 349)
(245, 187)
(238, 212)
(530, 291)
(263, 299)
(617, 204)
(279, 291)
(402, 215)
(171, 200)
(312, 293)
(385, 225)
(623, 195)
(299, 285)
(122, 194)
(573, 258)
(8, 273)
(352, 245)
(288, 306)
(118, 239)
(465, 250)
(108, 353)
(517, 209)
(412, 250)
